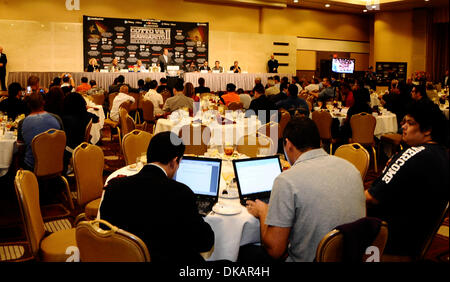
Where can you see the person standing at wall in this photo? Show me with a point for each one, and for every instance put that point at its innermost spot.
(3, 61)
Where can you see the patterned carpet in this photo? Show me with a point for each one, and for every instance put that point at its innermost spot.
(14, 246)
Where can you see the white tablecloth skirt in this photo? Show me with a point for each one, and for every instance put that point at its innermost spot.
(7, 149)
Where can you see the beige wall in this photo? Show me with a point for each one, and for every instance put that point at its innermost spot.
(41, 35)
(400, 37)
(306, 60)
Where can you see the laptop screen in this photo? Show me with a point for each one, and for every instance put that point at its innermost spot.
(202, 175)
(256, 175)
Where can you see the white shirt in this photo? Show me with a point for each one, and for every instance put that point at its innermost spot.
(156, 99)
(159, 167)
(312, 87)
(166, 59)
(120, 98)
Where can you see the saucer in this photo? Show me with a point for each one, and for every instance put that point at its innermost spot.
(226, 209)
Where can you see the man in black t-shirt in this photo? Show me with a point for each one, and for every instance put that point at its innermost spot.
(412, 191)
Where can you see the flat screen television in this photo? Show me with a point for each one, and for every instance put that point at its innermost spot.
(343, 65)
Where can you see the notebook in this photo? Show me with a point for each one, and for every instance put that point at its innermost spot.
(255, 176)
(202, 175)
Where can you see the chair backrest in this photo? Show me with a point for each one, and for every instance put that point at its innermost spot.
(113, 245)
(48, 151)
(432, 233)
(234, 106)
(111, 97)
(251, 144)
(196, 138)
(98, 99)
(331, 247)
(134, 144)
(357, 155)
(284, 119)
(27, 191)
(87, 132)
(165, 94)
(135, 104)
(88, 163)
(323, 121)
(148, 110)
(126, 122)
(363, 128)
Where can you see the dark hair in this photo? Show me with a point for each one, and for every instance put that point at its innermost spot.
(74, 104)
(164, 147)
(293, 90)
(422, 90)
(35, 101)
(259, 88)
(284, 85)
(141, 82)
(92, 82)
(295, 78)
(189, 90)
(231, 87)
(276, 77)
(429, 117)
(285, 79)
(13, 89)
(84, 79)
(120, 79)
(201, 81)
(179, 85)
(54, 100)
(33, 80)
(303, 133)
(153, 84)
(163, 80)
(66, 79)
(240, 91)
(56, 81)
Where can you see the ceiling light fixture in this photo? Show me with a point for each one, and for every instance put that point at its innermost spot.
(327, 5)
(365, 11)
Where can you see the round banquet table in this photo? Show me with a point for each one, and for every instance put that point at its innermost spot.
(8, 146)
(96, 127)
(230, 231)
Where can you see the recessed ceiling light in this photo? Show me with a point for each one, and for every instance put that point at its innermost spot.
(365, 11)
(327, 5)
(374, 6)
(427, 0)
(295, 1)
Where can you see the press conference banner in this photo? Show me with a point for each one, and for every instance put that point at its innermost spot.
(130, 40)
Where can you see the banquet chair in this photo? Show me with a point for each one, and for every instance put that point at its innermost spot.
(251, 145)
(98, 99)
(331, 247)
(135, 105)
(323, 121)
(134, 144)
(44, 247)
(148, 116)
(112, 245)
(88, 163)
(87, 132)
(234, 106)
(196, 138)
(357, 155)
(394, 139)
(126, 122)
(284, 119)
(363, 128)
(165, 95)
(48, 151)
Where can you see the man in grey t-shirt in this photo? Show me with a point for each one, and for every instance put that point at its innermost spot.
(318, 193)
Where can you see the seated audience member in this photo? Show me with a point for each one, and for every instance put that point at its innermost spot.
(412, 190)
(396, 100)
(282, 95)
(296, 81)
(119, 83)
(347, 95)
(327, 93)
(33, 82)
(68, 85)
(277, 82)
(360, 106)
(261, 106)
(205, 67)
(313, 86)
(271, 88)
(178, 100)
(235, 67)
(38, 121)
(155, 97)
(84, 86)
(231, 95)
(163, 86)
(134, 204)
(122, 97)
(54, 101)
(95, 89)
(141, 85)
(257, 84)
(293, 103)
(75, 119)
(217, 67)
(56, 82)
(308, 200)
(245, 99)
(201, 87)
(189, 92)
(13, 105)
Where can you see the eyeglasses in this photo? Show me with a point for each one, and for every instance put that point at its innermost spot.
(410, 122)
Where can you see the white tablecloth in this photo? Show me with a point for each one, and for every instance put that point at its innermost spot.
(96, 128)
(219, 81)
(230, 231)
(7, 150)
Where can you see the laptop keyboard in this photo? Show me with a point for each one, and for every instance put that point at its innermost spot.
(204, 206)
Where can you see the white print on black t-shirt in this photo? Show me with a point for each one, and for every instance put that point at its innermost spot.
(395, 167)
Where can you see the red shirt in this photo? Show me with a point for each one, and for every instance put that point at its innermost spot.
(231, 97)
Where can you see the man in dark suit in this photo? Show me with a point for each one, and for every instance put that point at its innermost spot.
(156, 208)
(201, 87)
(3, 61)
(272, 65)
(165, 60)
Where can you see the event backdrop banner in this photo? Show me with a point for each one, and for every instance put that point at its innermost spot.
(130, 40)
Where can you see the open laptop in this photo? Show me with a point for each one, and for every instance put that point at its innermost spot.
(255, 177)
(202, 175)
